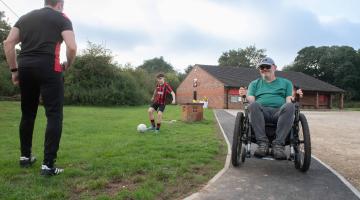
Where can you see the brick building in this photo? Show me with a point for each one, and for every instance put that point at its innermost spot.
(220, 86)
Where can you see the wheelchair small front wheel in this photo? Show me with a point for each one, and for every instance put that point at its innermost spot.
(303, 149)
(237, 148)
(243, 152)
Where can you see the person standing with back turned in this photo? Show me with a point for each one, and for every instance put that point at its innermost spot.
(38, 72)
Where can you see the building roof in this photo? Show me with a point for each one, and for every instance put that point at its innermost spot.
(242, 76)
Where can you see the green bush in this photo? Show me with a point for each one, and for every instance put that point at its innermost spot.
(95, 80)
(6, 86)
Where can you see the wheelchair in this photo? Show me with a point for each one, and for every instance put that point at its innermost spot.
(298, 138)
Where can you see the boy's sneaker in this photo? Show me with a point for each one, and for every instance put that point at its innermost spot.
(157, 131)
(150, 128)
(46, 171)
(27, 162)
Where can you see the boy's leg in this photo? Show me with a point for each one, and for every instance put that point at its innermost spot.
(160, 115)
(151, 116)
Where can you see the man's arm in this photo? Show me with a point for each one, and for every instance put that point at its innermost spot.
(10, 52)
(289, 92)
(9, 47)
(289, 99)
(173, 97)
(251, 93)
(251, 99)
(71, 47)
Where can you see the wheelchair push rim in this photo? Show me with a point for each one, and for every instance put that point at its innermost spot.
(303, 148)
(238, 147)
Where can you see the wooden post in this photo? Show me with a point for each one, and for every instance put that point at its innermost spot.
(341, 105)
(331, 101)
(317, 101)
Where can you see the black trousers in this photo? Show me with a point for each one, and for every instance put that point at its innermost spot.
(34, 81)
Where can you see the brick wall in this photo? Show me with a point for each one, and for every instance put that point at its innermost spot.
(208, 87)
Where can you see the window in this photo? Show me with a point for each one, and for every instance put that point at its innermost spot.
(234, 99)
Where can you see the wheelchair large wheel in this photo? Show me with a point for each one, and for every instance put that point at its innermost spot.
(303, 152)
(238, 149)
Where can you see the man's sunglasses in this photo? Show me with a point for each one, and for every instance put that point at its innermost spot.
(262, 67)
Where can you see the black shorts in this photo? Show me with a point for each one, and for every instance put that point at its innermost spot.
(158, 107)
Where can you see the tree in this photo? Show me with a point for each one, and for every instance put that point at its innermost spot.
(156, 65)
(6, 86)
(188, 69)
(308, 61)
(337, 65)
(248, 57)
(95, 79)
(4, 31)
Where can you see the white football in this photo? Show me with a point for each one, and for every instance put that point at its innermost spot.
(141, 128)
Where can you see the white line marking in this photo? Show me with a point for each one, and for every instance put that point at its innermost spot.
(346, 182)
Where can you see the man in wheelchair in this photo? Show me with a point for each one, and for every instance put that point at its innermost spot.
(270, 101)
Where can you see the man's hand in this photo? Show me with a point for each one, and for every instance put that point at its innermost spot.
(173, 97)
(300, 93)
(15, 78)
(65, 66)
(242, 91)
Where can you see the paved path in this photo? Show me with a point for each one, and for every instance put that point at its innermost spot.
(273, 180)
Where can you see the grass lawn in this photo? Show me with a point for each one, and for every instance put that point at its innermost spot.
(352, 105)
(105, 158)
(352, 109)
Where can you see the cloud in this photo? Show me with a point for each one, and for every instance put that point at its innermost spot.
(188, 32)
(114, 37)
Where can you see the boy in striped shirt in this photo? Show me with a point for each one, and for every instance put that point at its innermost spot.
(159, 101)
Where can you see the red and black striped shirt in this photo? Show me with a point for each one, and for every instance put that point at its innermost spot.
(161, 92)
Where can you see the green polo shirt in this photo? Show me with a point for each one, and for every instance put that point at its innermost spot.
(271, 94)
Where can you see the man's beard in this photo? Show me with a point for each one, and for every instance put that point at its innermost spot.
(265, 77)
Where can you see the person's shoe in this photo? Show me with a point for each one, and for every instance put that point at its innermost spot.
(150, 128)
(26, 162)
(46, 171)
(262, 150)
(279, 152)
(157, 131)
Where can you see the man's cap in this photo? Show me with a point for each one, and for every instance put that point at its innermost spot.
(266, 61)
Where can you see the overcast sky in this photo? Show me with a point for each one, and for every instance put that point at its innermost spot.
(188, 32)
